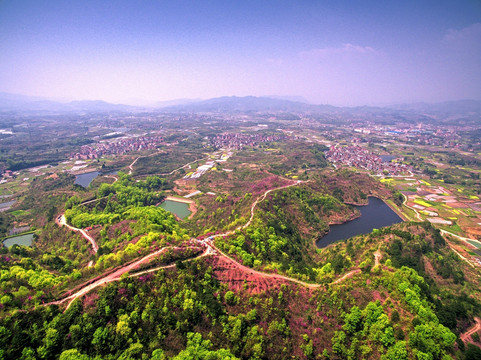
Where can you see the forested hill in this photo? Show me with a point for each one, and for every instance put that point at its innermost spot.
(377, 296)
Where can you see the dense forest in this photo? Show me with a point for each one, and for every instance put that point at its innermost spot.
(390, 311)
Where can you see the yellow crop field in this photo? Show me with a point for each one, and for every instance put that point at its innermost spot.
(422, 203)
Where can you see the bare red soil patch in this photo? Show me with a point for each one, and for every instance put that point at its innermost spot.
(240, 279)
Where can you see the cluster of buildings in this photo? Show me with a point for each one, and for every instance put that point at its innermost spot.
(239, 141)
(359, 157)
(201, 170)
(421, 134)
(122, 146)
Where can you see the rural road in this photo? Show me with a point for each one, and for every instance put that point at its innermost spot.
(209, 249)
(377, 257)
(62, 222)
(467, 335)
(114, 276)
(253, 206)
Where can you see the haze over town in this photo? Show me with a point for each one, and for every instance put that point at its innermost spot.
(339, 53)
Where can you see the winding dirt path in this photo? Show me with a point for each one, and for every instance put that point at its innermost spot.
(346, 276)
(251, 271)
(253, 206)
(411, 208)
(262, 198)
(270, 275)
(62, 222)
(116, 178)
(466, 337)
(114, 276)
(444, 232)
(458, 249)
(209, 249)
(131, 166)
(377, 257)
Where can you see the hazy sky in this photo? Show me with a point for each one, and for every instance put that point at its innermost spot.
(332, 52)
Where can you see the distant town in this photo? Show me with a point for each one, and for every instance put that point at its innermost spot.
(118, 147)
(359, 157)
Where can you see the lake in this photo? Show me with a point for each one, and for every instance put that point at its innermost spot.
(19, 240)
(375, 215)
(84, 180)
(6, 205)
(178, 208)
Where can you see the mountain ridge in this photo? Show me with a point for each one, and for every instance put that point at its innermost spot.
(234, 104)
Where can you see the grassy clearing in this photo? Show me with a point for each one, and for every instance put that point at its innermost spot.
(19, 212)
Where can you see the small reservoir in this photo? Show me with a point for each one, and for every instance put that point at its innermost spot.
(375, 215)
(84, 180)
(181, 209)
(25, 240)
(6, 205)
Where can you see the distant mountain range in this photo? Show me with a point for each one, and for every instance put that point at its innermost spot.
(22, 103)
(234, 104)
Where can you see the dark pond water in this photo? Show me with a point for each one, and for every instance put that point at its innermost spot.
(387, 158)
(176, 207)
(19, 240)
(84, 180)
(7, 204)
(375, 215)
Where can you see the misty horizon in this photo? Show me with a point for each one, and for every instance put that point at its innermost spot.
(342, 54)
(17, 99)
